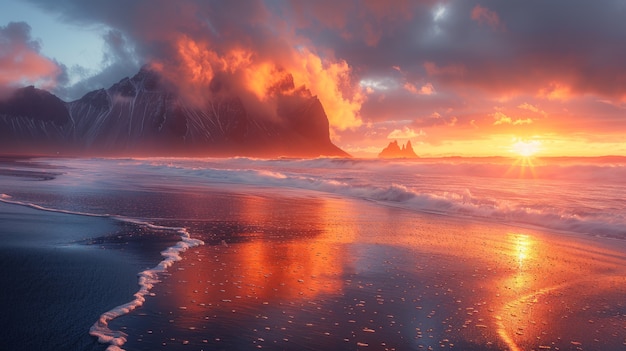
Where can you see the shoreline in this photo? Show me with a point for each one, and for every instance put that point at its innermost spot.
(146, 278)
(336, 268)
(321, 270)
(393, 279)
(56, 286)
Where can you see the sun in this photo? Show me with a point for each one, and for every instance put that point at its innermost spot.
(526, 148)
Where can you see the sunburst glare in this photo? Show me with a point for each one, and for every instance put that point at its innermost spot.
(524, 150)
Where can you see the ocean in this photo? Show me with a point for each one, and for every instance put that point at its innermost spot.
(313, 254)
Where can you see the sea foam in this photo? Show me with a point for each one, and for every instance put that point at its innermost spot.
(483, 191)
(146, 279)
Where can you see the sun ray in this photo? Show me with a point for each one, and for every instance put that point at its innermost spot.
(525, 151)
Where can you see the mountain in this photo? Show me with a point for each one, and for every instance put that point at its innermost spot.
(143, 115)
(394, 151)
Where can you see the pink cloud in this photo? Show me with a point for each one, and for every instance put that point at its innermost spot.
(20, 61)
(405, 133)
(426, 89)
(483, 15)
(432, 69)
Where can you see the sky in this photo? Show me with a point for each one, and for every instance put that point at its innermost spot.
(468, 78)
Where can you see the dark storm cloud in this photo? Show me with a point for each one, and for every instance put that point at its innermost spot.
(469, 52)
(206, 48)
(500, 45)
(151, 25)
(473, 52)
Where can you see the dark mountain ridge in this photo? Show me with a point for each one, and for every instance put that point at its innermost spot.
(145, 116)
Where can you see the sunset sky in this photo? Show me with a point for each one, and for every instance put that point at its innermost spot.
(470, 78)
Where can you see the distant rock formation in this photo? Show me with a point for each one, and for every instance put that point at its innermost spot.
(143, 116)
(394, 151)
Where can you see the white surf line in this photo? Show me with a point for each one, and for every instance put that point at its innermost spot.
(6, 199)
(147, 279)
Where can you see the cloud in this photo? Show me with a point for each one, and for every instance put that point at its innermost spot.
(362, 21)
(501, 118)
(432, 69)
(529, 107)
(585, 53)
(357, 55)
(426, 89)
(405, 133)
(555, 91)
(411, 88)
(483, 15)
(522, 121)
(21, 62)
(119, 60)
(532, 108)
(207, 49)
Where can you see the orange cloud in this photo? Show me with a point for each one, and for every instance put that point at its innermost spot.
(202, 71)
(197, 61)
(501, 118)
(331, 81)
(426, 89)
(556, 91)
(405, 133)
(522, 121)
(529, 107)
(532, 108)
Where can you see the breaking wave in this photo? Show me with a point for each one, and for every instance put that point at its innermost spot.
(559, 197)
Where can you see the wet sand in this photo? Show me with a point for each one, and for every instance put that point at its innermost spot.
(298, 270)
(300, 273)
(55, 284)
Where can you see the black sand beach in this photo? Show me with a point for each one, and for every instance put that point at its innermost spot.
(55, 286)
(362, 277)
(296, 270)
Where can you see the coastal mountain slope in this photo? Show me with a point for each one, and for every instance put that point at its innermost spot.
(144, 116)
(393, 150)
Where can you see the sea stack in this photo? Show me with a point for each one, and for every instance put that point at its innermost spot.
(393, 150)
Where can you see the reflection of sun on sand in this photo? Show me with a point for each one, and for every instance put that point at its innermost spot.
(535, 288)
(546, 293)
(475, 285)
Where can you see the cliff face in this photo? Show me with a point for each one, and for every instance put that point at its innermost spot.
(393, 150)
(139, 115)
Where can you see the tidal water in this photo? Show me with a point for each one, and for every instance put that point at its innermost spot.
(324, 254)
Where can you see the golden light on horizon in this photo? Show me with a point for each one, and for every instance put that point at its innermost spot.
(525, 151)
(526, 148)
